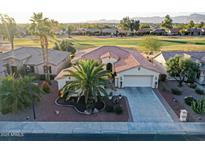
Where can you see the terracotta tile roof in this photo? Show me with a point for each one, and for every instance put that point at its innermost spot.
(109, 55)
(127, 58)
(64, 73)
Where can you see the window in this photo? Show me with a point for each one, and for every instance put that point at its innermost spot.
(47, 69)
(32, 69)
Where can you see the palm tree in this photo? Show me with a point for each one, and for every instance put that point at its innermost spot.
(43, 27)
(9, 28)
(90, 81)
(15, 94)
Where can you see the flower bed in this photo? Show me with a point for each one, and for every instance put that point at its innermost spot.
(80, 105)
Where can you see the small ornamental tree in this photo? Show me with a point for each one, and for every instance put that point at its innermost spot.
(182, 69)
(151, 45)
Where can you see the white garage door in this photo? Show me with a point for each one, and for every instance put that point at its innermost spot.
(137, 81)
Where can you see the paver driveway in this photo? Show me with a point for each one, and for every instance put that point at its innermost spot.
(145, 106)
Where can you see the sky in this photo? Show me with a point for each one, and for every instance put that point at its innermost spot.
(86, 10)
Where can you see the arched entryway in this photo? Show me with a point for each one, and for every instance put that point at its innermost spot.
(109, 67)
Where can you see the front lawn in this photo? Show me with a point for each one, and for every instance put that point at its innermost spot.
(175, 97)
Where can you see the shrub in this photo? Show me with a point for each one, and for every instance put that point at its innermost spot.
(192, 85)
(109, 108)
(163, 77)
(45, 87)
(198, 106)
(189, 100)
(118, 109)
(5, 110)
(176, 91)
(199, 91)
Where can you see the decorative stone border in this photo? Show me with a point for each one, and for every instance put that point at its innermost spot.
(86, 113)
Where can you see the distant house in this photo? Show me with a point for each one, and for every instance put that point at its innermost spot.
(3, 71)
(93, 31)
(196, 56)
(80, 31)
(202, 31)
(144, 31)
(129, 68)
(159, 31)
(109, 31)
(32, 58)
(194, 31)
(174, 31)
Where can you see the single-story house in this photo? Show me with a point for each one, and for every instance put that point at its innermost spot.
(32, 58)
(144, 31)
(93, 31)
(109, 31)
(159, 31)
(79, 31)
(196, 56)
(3, 71)
(194, 31)
(174, 31)
(129, 67)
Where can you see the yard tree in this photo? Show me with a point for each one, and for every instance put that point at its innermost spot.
(90, 81)
(70, 28)
(167, 23)
(65, 45)
(191, 24)
(144, 25)
(151, 45)
(134, 25)
(182, 69)
(43, 28)
(8, 28)
(201, 25)
(125, 23)
(18, 93)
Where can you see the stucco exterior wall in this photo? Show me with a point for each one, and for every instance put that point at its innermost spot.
(62, 82)
(161, 60)
(140, 71)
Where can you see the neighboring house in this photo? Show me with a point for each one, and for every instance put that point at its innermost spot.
(31, 57)
(159, 31)
(196, 56)
(144, 31)
(79, 31)
(3, 71)
(93, 31)
(174, 31)
(202, 31)
(109, 31)
(194, 31)
(129, 68)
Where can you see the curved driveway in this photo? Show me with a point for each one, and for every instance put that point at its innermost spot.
(145, 106)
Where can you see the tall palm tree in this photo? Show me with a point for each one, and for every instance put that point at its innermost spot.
(44, 28)
(90, 81)
(8, 28)
(15, 94)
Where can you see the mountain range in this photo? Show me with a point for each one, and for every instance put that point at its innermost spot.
(197, 18)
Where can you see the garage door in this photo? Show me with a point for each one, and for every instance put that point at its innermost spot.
(137, 81)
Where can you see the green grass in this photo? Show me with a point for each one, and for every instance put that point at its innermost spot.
(84, 42)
